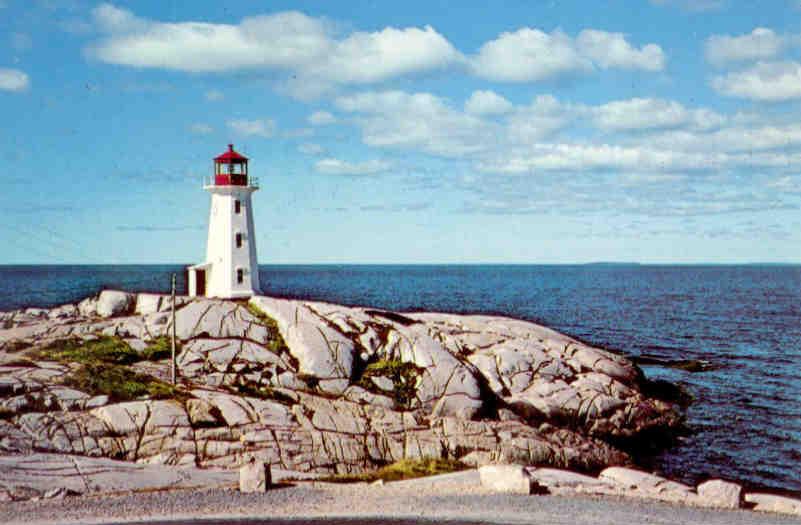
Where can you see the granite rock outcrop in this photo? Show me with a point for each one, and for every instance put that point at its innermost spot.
(312, 387)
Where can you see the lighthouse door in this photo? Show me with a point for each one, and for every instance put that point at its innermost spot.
(200, 283)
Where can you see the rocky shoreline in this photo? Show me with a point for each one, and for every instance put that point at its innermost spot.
(309, 388)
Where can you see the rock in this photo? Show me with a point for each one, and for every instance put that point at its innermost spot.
(147, 303)
(88, 307)
(510, 479)
(113, 302)
(647, 485)
(773, 503)
(254, 476)
(202, 413)
(559, 479)
(719, 493)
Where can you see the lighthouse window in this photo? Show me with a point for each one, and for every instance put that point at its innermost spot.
(240, 275)
(237, 207)
(238, 240)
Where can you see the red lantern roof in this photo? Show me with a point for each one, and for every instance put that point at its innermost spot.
(231, 156)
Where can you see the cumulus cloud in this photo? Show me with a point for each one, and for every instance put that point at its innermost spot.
(759, 44)
(290, 41)
(540, 119)
(421, 121)
(531, 55)
(611, 50)
(487, 103)
(765, 81)
(321, 118)
(331, 166)
(650, 113)
(13, 80)
(259, 128)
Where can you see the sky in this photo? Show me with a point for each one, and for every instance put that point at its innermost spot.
(652, 131)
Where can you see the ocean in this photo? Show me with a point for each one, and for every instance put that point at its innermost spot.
(743, 320)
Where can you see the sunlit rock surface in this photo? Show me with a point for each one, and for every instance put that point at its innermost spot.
(320, 388)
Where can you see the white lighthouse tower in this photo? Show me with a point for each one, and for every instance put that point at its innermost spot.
(231, 268)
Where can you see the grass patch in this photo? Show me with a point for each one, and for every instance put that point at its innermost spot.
(110, 350)
(119, 383)
(403, 469)
(160, 348)
(402, 374)
(275, 342)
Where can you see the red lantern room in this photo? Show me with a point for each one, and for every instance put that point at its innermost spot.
(231, 169)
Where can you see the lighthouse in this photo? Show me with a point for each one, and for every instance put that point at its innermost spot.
(231, 268)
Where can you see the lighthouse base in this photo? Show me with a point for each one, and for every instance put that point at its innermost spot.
(200, 283)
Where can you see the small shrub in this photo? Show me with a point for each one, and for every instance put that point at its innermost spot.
(118, 382)
(402, 374)
(160, 348)
(275, 342)
(112, 350)
(403, 469)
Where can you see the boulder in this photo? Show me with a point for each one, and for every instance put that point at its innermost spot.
(719, 493)
(773, 503)
(647, 485)
(508, 479)
(113, 302)
(202, 413)
(254, 476)
(147, 303)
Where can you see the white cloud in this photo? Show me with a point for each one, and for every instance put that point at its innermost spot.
(487, 103)
(13, 80)
(650, 113)
(539, 120)
(331, 166)
(290, 41)
(581, 157)
(364, 58)
(259, 128)
(766, 81)
(321, 118)
(421, 121)
(611, 50)
(310, 148)
(759, 44)
(201, 129)
(531, 55)
(214, 95)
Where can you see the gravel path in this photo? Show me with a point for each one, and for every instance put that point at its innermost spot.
(357, 504)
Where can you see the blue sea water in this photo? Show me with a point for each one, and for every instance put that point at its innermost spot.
(745, 320)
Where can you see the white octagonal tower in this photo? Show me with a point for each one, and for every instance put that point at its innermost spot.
(231, 268)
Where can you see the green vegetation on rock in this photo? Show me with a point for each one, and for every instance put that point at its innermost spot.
(402, 374)
(403, 469)
(112, 350)
(103, 367)
(160, 348)
(118, 382)
(275, 343)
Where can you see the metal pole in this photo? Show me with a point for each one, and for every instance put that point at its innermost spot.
(172, 368)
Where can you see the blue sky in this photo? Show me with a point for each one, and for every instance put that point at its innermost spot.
(410, 132)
